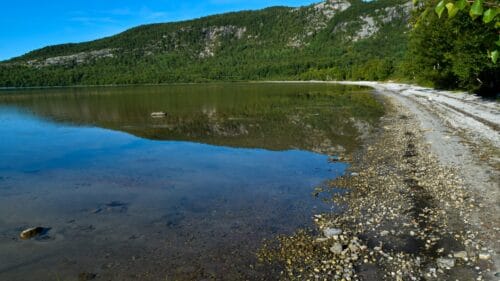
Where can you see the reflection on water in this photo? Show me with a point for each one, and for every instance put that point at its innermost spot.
(186, 197)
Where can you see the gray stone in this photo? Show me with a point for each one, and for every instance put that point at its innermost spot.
(445, 263)
(336, 248)
(460, 255)
(330, 232)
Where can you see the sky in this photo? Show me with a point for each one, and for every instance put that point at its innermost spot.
(26, 25)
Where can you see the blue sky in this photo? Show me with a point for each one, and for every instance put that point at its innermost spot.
(30, 24)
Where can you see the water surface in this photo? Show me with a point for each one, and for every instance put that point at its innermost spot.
(186, 197)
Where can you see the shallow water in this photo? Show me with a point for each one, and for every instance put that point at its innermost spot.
(189, 196)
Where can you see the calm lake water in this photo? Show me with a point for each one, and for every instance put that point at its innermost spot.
(190, 196)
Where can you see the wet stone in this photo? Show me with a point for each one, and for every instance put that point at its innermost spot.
(33, 232)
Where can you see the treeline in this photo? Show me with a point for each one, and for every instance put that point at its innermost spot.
(257, 46)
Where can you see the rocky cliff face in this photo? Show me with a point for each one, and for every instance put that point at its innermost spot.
(213, 34)
(318, 17)
(79, 58)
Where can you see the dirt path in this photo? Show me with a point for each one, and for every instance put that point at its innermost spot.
(463, 131)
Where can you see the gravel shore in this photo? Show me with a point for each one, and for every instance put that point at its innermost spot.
(420, 202)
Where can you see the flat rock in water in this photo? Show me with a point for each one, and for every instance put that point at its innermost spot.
(158, 114)
(32, 232)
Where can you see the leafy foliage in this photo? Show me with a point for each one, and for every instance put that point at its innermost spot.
(451, 52)
(488, 11)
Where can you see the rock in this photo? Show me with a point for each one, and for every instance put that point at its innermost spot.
(353, 248)
(31, 232)
(484, 256)
(158, 114)
(334, 159)
(321, 240)
(460, 255)
(384, 233)
(330, 232)
(336, 248)
(445, 263)
(354, 174)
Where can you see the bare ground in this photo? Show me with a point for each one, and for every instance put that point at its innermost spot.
(423, 199)
(463, 131)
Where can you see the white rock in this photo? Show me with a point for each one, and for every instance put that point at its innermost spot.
(330, 232)
(484, 256)
(158, 114)
(336, 248)
(460, 255)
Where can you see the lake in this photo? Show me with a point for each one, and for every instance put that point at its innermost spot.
(191, 195)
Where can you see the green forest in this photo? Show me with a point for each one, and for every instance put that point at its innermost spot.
(377, 40)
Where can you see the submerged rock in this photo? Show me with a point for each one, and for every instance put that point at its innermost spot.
(32, 232)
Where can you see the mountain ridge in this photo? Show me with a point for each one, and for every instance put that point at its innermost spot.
(276, 42)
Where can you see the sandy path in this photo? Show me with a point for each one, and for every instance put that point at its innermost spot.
(463, 131)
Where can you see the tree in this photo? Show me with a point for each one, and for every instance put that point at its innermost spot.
(488, 12)
(452, 52)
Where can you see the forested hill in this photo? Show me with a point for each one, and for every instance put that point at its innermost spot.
(334, 39)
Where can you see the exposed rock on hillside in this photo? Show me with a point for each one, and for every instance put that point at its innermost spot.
(78, 58)
(369, 24)
(318, 18)
(213, 34)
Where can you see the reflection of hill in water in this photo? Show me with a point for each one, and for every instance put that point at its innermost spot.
(271, 116)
